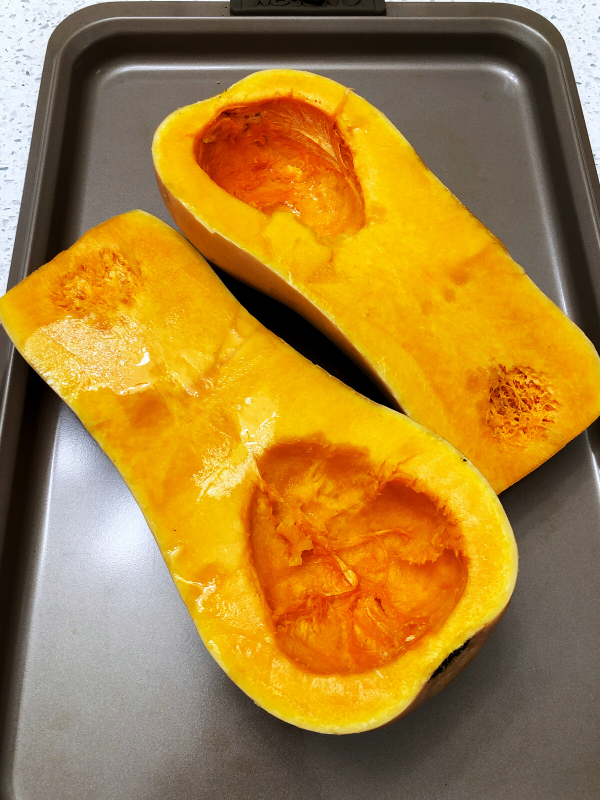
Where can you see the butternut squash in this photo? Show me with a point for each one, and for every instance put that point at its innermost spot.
(299, 187)
(332, 553)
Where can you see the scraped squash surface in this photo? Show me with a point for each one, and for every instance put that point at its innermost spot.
(332, 553)
(285, 154)
(299, 187)
(355, 567)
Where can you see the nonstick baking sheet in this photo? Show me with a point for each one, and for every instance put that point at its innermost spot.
(107, 690)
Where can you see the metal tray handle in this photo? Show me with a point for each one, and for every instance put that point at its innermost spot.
(347, 8)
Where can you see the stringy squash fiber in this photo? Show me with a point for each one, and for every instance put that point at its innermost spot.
(332, 552)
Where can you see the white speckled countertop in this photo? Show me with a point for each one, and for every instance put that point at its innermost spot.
(27, 25)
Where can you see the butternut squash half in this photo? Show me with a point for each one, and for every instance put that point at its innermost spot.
(302, 189)
(332, 553)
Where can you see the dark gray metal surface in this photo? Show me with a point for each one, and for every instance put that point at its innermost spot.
(107, 692)
(339, 8)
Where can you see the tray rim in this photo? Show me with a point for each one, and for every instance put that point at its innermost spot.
(90, 25)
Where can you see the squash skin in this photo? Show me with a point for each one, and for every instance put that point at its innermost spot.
(199, 351)
(432, 307)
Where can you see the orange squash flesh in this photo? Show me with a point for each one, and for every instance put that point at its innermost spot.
(332, 553)
(302, 189)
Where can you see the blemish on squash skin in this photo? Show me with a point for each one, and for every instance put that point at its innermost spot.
(449, 295)
(460, 275)
(447, 661)
(325, 273)
(377, 213)
(354, 564)
(477, 382)
(521, 405)
(427, 307)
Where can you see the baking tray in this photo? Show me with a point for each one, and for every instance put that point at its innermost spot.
(107, 691)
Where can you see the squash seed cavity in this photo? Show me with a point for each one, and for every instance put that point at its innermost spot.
(285, 154)
(355, 568)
